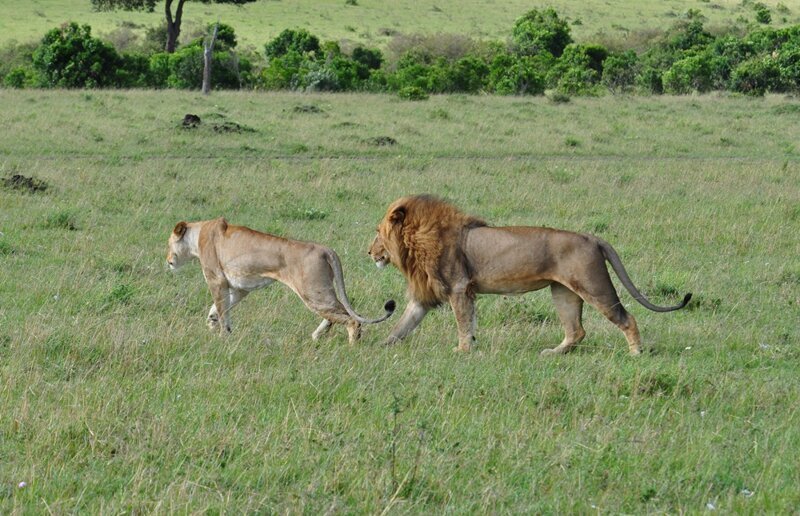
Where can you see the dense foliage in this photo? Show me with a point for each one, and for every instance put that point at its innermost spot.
(69, 57)
(539, 55)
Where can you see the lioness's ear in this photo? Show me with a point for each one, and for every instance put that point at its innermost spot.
(398, 215)
(180, 229)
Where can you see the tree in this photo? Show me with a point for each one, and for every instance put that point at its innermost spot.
(173, 19)
(69, 57)
(208, 49)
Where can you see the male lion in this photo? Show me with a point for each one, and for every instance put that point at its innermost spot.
(237, 260)
(447, 255)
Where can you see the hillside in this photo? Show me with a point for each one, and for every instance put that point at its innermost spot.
(375, 22)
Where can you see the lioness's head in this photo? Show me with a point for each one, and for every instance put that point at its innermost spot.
(180, 250)
(377, 250)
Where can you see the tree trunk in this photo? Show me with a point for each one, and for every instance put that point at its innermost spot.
(173, 24)
(208, 53)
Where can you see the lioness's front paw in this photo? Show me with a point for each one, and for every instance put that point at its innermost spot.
(462, 348)
(213, 323)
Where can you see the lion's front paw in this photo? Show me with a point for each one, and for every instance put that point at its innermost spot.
(550, 351)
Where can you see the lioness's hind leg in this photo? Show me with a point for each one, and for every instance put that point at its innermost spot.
(337, 315)
(569, 306)
(353, 331)
(213, 318)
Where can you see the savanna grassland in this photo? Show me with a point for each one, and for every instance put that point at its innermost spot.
(115, 397)
(375, 22)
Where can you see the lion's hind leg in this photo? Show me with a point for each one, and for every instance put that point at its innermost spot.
(625, 322)
(569, 306)
(607, 303)
(335, 315)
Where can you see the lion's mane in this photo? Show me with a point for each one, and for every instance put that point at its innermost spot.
(424, 235)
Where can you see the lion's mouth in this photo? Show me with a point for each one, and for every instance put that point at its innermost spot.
(381, 262)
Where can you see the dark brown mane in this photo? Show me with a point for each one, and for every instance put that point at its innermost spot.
(427, 241)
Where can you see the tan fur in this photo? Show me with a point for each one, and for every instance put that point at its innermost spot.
(237, 260)
(448, 256)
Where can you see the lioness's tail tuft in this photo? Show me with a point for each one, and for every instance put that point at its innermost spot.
(391, 305)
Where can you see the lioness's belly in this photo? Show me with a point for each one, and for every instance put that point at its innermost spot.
(249, 283)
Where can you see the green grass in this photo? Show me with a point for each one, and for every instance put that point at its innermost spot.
(114, 397)
(374, 22)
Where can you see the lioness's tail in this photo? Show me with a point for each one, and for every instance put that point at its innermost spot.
(613, 258)
(338, 276)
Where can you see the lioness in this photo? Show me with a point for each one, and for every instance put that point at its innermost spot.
(237, 260)
(447, 255)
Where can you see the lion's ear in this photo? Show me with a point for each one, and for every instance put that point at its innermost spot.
(398, 215)
(180, 229)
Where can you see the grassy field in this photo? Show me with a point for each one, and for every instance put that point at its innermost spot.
(373, 22)
(114, 397)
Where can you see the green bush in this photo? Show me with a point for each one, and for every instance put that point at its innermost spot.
(226, 36)
(282, 72)
(788, 61)
(689, 74)
(540, 31)
(69, 57)
(186, 69)
(768, 40)
(296, 60)
(16, 59)
(292, 40)
(619, 71)
(540, 54)
(519, 75)
(414, 70)
(725, 54)
(468, 75)
(322, 77)
(578, 69)
(688, 35)
(159, 70)
(757, 76)
(762, 13)
(648, 80)
(377, 82)
(134, 72)
(22, 76)
(370, 58)
(412, 93)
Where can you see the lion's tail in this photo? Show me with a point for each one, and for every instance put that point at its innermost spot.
(616, 263)
(338, 276)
